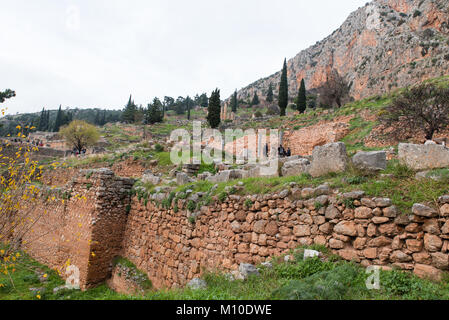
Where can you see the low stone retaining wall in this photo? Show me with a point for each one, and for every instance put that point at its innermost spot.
(173, 249)
(173, 245)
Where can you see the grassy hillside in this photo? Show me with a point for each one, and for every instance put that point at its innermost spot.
(317, 278)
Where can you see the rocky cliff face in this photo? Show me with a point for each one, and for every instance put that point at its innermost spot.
(384, 45)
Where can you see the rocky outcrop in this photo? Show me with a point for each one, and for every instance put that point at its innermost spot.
(370, 161)
(423, 157)
(329, 158)
(384, 45)
(295, 167)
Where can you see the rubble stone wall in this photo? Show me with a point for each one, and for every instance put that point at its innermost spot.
(174, 249)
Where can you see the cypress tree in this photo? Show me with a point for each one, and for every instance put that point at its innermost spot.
(47, 121)
(214, 109)
(189, 104)
(234, 102)
(301, 100)
(59, 120)
(283, 90)
(42, 120)
(270, 93)
(255, 100)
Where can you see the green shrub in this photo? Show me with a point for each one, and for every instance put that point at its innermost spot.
(325, 285)
(191, 206)
(222, 196)
(158, 148)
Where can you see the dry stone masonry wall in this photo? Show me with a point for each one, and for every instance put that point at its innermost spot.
(173, 249)
(173, 245)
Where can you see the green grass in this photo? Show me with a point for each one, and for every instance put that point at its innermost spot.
(297, 279)
(403, 189)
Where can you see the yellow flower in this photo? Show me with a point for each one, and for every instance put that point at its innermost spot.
(45, 275)
(38, 296)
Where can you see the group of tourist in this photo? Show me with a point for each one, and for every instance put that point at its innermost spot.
(282, 152)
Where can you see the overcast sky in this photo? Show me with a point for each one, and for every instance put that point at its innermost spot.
(95, 53)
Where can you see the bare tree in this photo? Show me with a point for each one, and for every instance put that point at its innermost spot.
(334, 91)
(423, 108)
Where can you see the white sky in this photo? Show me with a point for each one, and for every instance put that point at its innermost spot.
(95, 53)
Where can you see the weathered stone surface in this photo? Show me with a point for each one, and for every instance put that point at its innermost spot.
(328, 158)
(429, 272)
(423, 157)
(336, 244)
(431, 226)
(349, 254)
(271, 228)
(332, 213)
(259, 226)
(363, 213)
(380, 220)
(390, 212)
(432, 243)
(414, 245)
(423, 211)
(370, 161)
(197, 284)
(347, 228)
(440, 260)
(383, 202)
(354, 195)
(301, 231)
(377, 29)
(295, 167)
(182, 178)
(399, 256)
(151, 178)
(247, 270)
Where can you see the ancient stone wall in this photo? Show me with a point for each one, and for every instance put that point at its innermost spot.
(173, 246)
(173, 249)
(81, 224)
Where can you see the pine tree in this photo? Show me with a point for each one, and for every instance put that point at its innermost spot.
(59, 120)
(130, 111)
(214, 109)
(301, 100)
(234, 102)
(153, 113)
(255, 100)
(270, 93)
(283, 90)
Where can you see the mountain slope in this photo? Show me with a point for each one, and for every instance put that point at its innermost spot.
(384, 45)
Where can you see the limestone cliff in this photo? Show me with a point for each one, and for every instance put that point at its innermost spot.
(384, 45)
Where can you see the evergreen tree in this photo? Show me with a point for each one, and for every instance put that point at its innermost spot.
(59, 120)
(270, 93)
(204, 100)
(255, 100)
(189, 104)
(283, 90)
(154, 112)
(301, 100)
(42, 120)
(214, 109)
(129, 113)
(47, 121)
(103, 118)
(97, 118)
(234, 102)
(7, 94)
